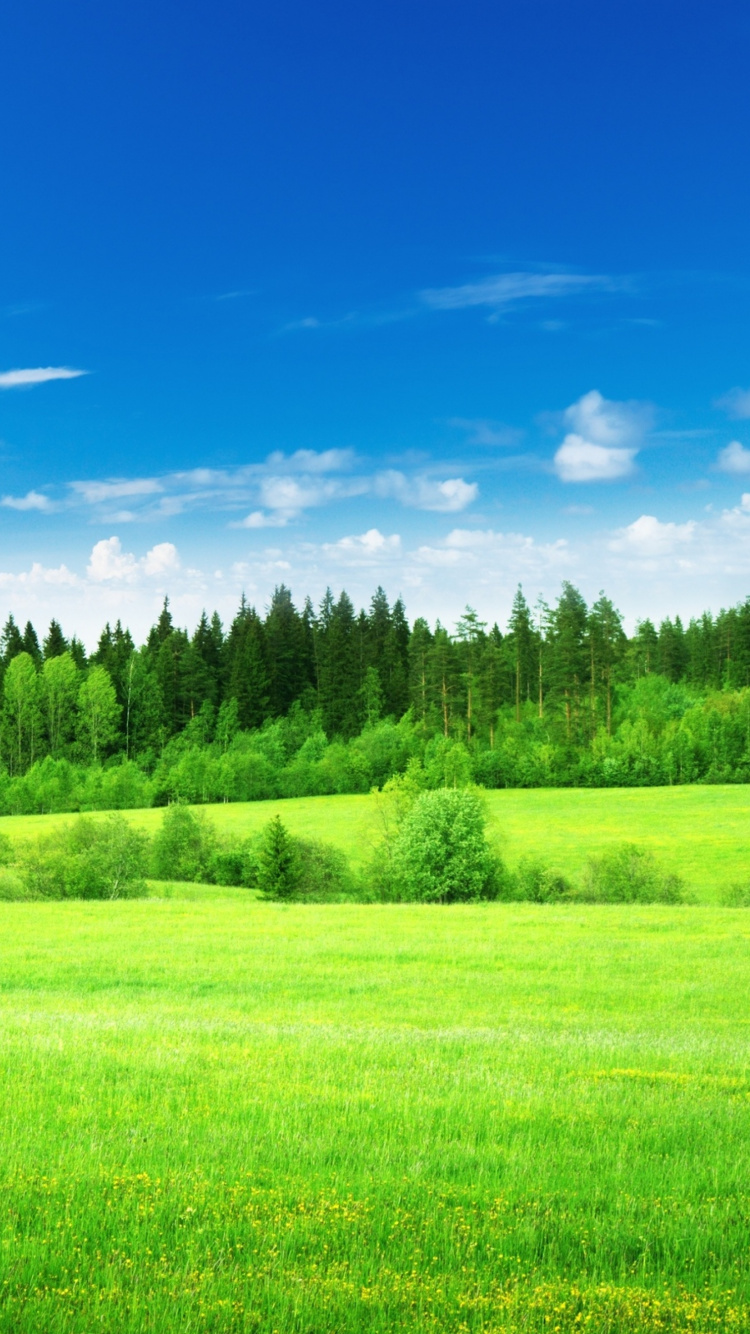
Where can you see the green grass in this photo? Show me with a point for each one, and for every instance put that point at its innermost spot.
(219, 1114)
(703, 833)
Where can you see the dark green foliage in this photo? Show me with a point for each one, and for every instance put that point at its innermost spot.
(295, 704)
(86, 859)
(184, 846)
(441, 854)
(324, 873)
(630, 874)
(536, 882)
(279, 870)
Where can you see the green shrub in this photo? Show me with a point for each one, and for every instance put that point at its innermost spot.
(627, 873)
(535, 882)
(441, 854)
(12, 886)
(324, 872)
(737, 895)
(184, 846)
(86, 859)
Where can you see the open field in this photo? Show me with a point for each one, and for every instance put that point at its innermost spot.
(225, 1115)
(701, 832)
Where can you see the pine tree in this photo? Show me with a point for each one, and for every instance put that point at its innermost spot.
(55, 643)
(569, 658)
(278, 867)
(248, 666)
(285, 638)
(31, 644)
(607, 644)
(420, 645)
(520, 644)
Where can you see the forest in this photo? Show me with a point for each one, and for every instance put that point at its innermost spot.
(327, 700)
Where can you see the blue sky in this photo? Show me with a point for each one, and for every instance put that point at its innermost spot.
(437, 296)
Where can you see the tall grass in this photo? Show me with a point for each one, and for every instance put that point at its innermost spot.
(225, 1115)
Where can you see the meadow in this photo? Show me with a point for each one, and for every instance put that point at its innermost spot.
(699, 832)
(222, 1114)
(228, 1115)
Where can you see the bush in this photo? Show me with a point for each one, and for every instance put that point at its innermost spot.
(87, 859)
(629, 874)
(184, 846)
(535, 882)
(441, 854)
(324, 872)
(737, 895)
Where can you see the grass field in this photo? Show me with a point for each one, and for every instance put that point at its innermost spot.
(701, 832)
(218, 1114)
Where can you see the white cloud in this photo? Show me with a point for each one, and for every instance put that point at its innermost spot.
(33, 500)
(161, 559)
(370, 546)
(108, 562)
(95, 493)
(40, 575)
(647, 537)
(578, 460)
(604, 439)
(24, 379)
(259, 519)
(608, 423)
(504, 289)
(311, 460)
(426, 493)
(736, 403)
(734, 458)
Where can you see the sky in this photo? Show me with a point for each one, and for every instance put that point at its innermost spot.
(443, 297)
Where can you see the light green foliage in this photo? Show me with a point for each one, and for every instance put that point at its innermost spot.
(279, 870)
(627, 873)
(222, 1116)
(59, 691)
(85, 859)
(21, 714)
(98, 712)
(184, 845)
(441, 854)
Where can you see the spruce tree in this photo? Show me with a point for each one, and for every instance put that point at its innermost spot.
(55, 643)
(278, 866)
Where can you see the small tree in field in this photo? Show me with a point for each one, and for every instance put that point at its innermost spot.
(278, 864)
(441, 854)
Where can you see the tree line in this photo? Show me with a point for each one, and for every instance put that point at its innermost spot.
(561, 677)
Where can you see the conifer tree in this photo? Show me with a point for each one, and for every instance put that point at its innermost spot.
(55, 643)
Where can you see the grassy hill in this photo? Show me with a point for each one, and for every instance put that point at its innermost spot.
(701, 832)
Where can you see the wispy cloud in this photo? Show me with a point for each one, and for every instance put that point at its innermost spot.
(736, 403)
(426, 493)
(604, 441)
(95, 493)
(484, 432)
(26, 379)
(502, 290)
(33, 500)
